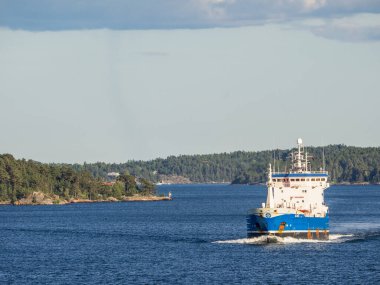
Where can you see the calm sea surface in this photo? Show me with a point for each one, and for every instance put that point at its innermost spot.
(198, 238)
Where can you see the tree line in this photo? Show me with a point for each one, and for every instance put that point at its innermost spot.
(19, 178)
(346, 164)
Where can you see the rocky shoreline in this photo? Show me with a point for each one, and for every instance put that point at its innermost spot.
(39, 198)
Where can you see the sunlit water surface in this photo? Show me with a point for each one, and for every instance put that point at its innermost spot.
(199, 237)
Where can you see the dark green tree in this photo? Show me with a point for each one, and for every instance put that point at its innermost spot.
(147, 187)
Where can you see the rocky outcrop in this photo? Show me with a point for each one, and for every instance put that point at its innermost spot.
(145, 198)
(40, 198)
(174, 179)
(112, 199)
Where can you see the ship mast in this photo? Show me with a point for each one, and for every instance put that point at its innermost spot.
(270, 198)
(298, 159)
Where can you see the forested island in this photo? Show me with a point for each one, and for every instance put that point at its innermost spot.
(346, 164)
(30, 182)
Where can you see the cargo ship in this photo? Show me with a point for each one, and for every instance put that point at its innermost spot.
(295, 204)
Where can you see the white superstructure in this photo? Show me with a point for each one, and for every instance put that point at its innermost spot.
(298, 190)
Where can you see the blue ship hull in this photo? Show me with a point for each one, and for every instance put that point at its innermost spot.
(298, 226)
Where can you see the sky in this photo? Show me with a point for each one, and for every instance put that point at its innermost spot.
(86, 81)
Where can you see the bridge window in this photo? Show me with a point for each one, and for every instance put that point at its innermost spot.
(312, 179)
(297, 179)
(274, 180)
(317, 179)
(292, 179)
(303, 179)
(323, 179)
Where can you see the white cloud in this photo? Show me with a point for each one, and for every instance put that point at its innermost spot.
(214, 9)
(173, 14)
(314, 4)
(348, 20)
(358, 28)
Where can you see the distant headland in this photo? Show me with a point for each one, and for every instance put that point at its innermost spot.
(345, 164)
(30, 182)
(27, 182)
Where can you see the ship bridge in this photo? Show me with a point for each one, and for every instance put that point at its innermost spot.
(299, 179)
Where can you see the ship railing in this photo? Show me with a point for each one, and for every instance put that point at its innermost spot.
(306, 172)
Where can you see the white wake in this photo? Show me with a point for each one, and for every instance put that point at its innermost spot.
(334, 238)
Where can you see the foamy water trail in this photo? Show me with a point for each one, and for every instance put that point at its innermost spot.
(257, 240)
(334, 238)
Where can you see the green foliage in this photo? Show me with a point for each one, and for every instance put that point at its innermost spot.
(344, 163)
(243, 178)
(130, 185)
(147, 187)
(118, 190)
(19, 178)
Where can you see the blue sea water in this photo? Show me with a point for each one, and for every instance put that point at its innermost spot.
(197, 238)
